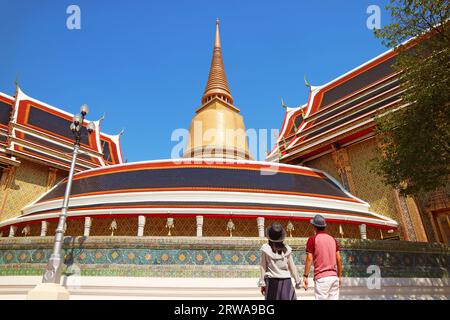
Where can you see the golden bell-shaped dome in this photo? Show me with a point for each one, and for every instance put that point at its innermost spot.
(217, 130)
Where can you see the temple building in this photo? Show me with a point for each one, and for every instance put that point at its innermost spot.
(192, 228)
(35, 151)
(334, 132)
(215, 189)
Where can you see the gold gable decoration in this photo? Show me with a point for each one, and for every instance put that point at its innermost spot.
(368, 185)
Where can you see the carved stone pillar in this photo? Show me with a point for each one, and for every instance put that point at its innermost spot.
(87, 226)
(363, 231)
(342, 163)
(260, 223)
(44, 228)
(199, 220)
(141, 226)
(12, 231)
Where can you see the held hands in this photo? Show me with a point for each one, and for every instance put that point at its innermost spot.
(263, 291)
(305, 283)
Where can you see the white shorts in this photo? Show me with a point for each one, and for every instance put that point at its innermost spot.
(327, 288)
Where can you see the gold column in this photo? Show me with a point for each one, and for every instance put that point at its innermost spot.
(416, 219)
(437, 236)
(438, 206)
(342, 163)
(411, 218)
(407, 224)
(5, 185)
(51, 178)
(444, 226)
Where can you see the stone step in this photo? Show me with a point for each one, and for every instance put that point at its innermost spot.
(114, 288)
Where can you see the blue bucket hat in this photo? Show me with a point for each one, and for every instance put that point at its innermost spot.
(318, 221)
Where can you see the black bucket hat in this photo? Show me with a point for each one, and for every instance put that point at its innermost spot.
(276, 232)
(318, 221)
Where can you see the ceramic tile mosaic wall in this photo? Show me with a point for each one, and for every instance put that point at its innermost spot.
(213, 257)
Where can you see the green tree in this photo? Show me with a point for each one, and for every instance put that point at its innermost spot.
(415, 140)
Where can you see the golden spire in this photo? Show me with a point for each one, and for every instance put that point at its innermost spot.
(217, 130)
(217, 81)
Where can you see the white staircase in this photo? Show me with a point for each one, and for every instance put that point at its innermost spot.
(92, 288)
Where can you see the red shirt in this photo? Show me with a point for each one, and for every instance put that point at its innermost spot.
(323, 247)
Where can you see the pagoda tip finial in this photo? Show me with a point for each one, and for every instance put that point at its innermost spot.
(217, 85)
(16, 81)
(306, 82)
(283, 104)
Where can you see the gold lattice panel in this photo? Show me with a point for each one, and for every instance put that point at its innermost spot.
(374, 233)
(75, 227)
(51, 228)
(350, 231)
(217, 227)
(156, 226)
(182, 227)
(29, 182)
(34, 230)
(326, 164)
(126, 226)
(333, 229)
(212, 227)
(368, 185)
(302, 228)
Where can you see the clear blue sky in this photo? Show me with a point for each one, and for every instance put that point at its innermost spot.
(145, 63)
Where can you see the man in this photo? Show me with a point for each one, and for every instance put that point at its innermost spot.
(323, 250)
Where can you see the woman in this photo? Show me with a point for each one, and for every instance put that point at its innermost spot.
(277, 267)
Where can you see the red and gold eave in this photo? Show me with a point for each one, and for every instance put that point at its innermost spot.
(40, 132)
(311, 137)
(6, 106)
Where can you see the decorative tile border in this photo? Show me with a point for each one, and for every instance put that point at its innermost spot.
(212, 257)
(212, 242)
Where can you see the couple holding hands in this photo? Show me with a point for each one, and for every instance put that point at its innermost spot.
(277, 265)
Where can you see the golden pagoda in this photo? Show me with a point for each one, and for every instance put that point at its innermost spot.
(217, 130)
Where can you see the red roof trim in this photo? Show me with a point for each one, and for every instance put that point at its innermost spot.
(180, 164)
(208, 189)
(22, 118)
